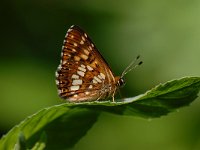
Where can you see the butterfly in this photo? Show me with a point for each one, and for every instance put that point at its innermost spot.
(83, 73)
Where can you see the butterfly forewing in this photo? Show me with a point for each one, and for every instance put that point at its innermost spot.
(83, 74)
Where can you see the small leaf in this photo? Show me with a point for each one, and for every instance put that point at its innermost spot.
(65, 124)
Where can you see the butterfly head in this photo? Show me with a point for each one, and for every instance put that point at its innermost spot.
(119, 81)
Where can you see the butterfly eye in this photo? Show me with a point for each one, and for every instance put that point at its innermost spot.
(121, 82)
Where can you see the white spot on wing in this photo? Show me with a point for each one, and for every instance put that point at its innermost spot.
(64, 62)
(74, 76)
(59, 67)
(73, 50)
(77, 82)
(81, 73)
(85, 57)
(74, 87)
(87, 93)
(89, 68)
(56, 74)
(102, 75)
(83, 38)
(69, 30)
(82, 69)
(91, 86)
(86, 52)
(81, 42)
(94, 81)
(75, 44)
(57, 82)
(75, 95)
(90, 48)
(83, 66)
(97, 79)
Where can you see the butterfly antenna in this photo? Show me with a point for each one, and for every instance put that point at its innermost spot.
(134, 64)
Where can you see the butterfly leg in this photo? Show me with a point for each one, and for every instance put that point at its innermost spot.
(99, 97)
(113, 95)
(102, 92)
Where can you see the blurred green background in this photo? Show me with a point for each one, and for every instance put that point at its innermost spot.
(165, 33)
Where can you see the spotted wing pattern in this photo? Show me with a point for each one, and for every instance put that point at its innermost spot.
(83, 74)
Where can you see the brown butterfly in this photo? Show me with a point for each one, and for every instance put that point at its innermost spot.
(83, 74)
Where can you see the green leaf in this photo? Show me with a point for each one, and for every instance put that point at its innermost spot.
(62, 126)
